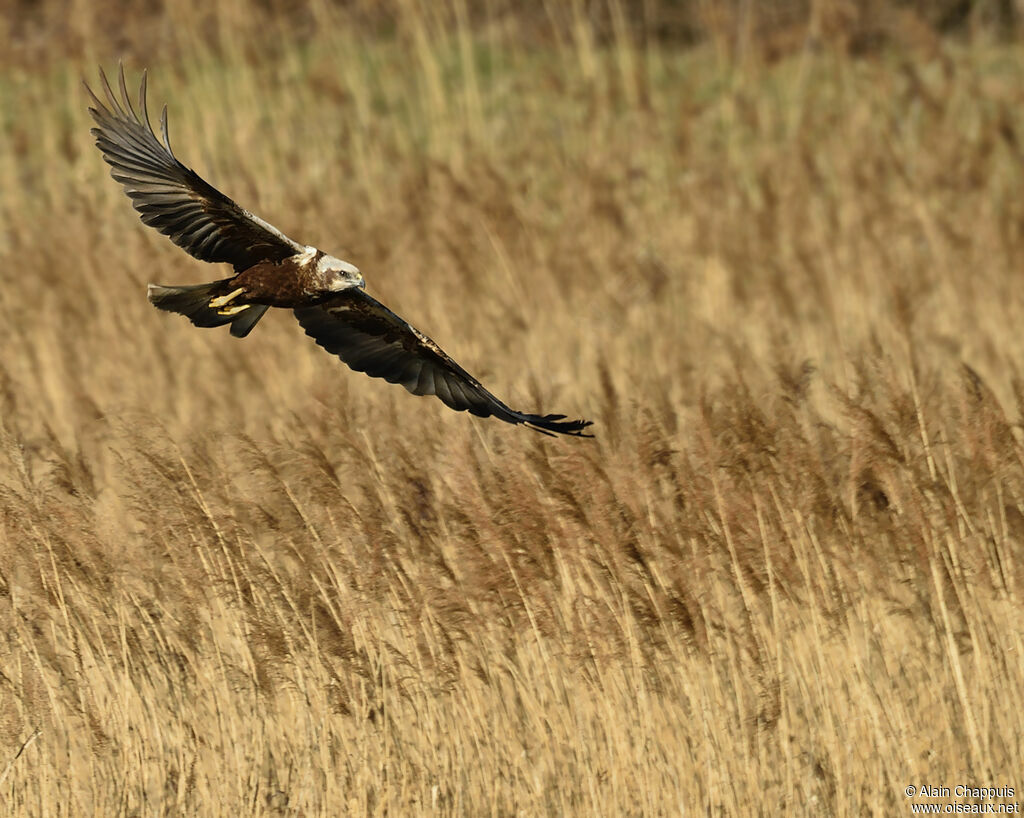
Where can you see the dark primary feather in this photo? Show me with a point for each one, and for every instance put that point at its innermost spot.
(370, 338)
(171, 197)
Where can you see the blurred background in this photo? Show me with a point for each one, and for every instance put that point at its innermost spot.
(157, 30)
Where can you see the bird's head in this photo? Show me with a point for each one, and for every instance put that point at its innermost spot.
(338, 275)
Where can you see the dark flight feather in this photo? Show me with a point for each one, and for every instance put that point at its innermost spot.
(370, 338)
(171, 197)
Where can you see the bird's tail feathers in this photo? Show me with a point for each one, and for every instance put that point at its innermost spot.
(193, 301)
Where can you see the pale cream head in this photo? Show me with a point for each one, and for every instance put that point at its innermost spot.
(338, 275)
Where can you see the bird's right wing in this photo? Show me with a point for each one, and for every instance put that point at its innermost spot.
(171, 197)
(370, 338)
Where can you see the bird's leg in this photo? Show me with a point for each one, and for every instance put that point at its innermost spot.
(220, 301)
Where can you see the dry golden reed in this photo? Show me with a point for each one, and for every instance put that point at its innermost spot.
(238, 579)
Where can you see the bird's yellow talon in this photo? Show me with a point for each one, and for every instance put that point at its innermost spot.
(220, 301)
(233, 310)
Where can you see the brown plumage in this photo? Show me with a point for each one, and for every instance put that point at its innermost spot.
(272, 270)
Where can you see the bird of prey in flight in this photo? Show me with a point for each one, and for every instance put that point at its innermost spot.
(326, 294)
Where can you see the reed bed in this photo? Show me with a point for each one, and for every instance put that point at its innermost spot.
(238, 579)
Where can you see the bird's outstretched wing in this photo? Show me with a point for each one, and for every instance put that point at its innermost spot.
(171, 197)
(370, 338)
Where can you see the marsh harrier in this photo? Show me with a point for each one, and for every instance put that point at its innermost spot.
(326, 294)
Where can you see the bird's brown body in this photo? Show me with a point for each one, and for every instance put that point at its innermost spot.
(275, 284)
(291, 283)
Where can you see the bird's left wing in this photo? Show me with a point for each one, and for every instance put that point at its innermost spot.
(370, 338)
(173, 198)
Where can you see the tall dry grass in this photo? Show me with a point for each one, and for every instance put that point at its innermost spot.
(237, 578)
